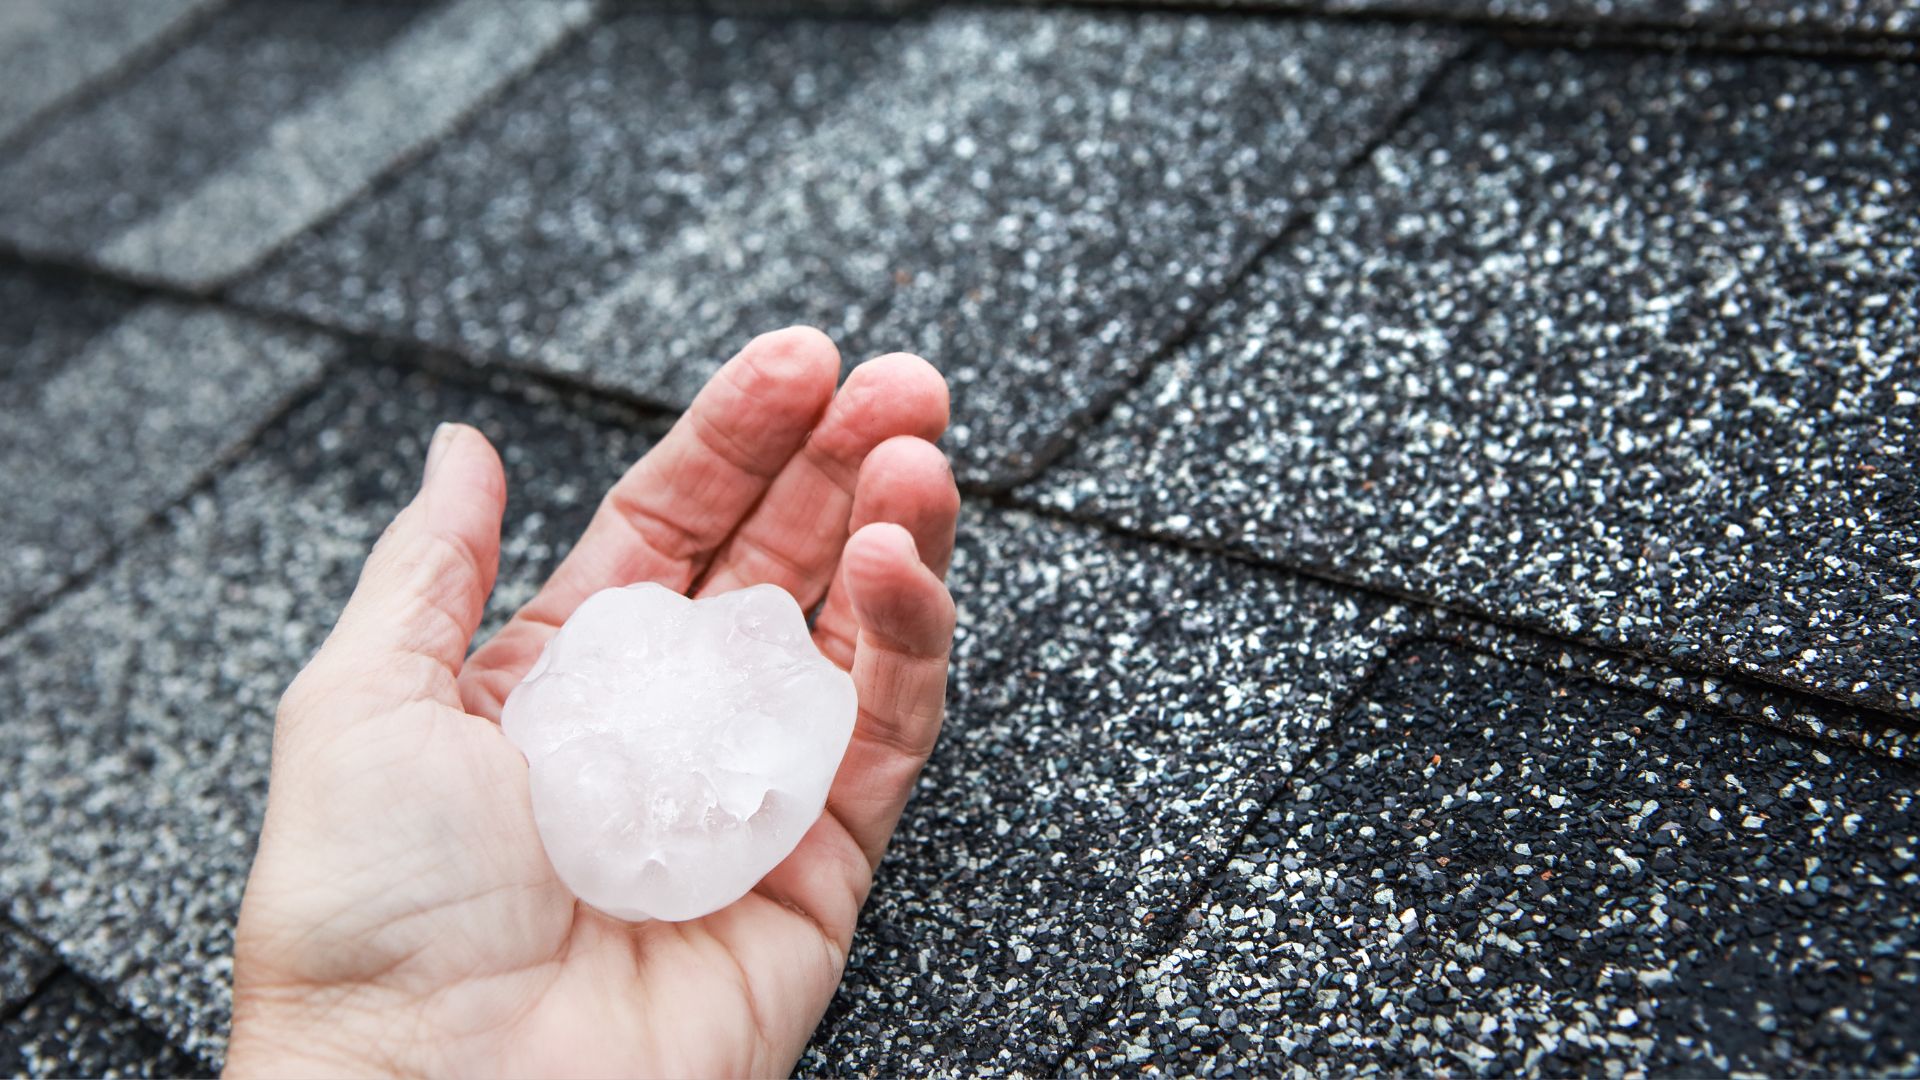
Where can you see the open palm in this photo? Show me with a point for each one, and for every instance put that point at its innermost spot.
(402, 916)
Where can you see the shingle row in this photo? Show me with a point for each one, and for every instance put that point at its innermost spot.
(1615, 347)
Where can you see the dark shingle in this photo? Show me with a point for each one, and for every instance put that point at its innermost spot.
(1496, 869)
(634, 133)
(1033, 201)
(1618, 345)
(45, 319)
(125, 157)
(1116, 710)
(1802, 20)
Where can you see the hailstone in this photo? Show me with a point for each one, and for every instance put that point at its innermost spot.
(678, 749)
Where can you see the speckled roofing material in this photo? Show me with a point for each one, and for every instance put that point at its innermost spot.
(1438, 586)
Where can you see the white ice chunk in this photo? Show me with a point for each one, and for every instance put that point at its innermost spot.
(678, 749)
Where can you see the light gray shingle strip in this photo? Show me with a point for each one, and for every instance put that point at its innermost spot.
(126, 426)
(52, 48)
(314, 160)
(24, 965)
(1033, 202)
(957, 68)
(1802, 19)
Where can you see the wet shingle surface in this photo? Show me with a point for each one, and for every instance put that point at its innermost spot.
(1491, 868)
(140, 707)
(1116, 711)
(108, 429)
(1032, 201)
(1619, 345)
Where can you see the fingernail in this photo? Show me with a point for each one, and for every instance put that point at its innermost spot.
(437, 449)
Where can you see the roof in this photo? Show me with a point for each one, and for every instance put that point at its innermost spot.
(1437, 585)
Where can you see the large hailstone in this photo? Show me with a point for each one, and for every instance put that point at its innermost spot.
(678, 749)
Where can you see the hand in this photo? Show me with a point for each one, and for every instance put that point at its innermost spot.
(402, 917)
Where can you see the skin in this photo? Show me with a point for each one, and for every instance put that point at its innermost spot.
(401, 916)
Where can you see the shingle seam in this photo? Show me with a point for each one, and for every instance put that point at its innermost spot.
(282, 195)
(53, 970)
(1167, 937)
(62, 970)
(357, 348)
(155, 519)
(1744, 46)
(27, 1000)
(1093, 418)
(1786, 692)
(1161, 939)
(1765, 705)
(130, 69)
(362, 349)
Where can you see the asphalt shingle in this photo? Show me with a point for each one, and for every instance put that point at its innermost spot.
(264, 124)
(1803, 19)
(591, 164)
(140, 706)
(1116, 710)
(24, 965)
(45, 319)
(1616, 349)
(70, 1029)
(1033, 201)
(108, 421)
(52, 48)
(1493, 868)
(1618, 345)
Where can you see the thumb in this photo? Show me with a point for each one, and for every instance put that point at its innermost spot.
(405, 631)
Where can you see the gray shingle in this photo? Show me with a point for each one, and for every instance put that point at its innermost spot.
(45, 319)
(53, 48)
(1116, 710)
(71, 1029)
(140, 706)
(1033, 201)
(595, 161)
(123, 158)
(24, 965)
(1493, 868)
(315, 159)
(1617, 345)
(1860, 20)
(265, 123)
(109, 433)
